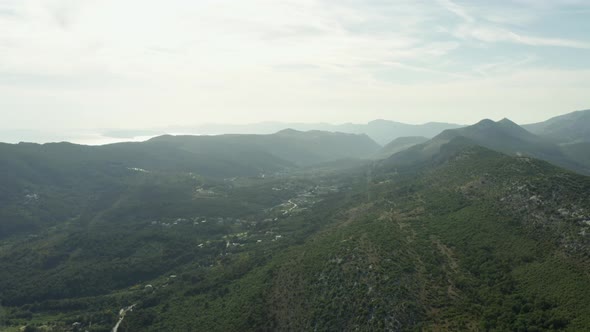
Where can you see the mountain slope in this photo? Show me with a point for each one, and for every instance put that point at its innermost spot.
(569, 128)
(39, 182)
(299, 148)
(399, 144)
(504, 136)
(479, 241)
(381, 131)
(225, 155)
(579, 152)
(470, 240)
(385, 131)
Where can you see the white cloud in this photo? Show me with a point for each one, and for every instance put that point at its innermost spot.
(491, 34)
(137, 63)
(477, 28)
(457, 10)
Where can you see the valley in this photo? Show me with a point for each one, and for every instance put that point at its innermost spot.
(470, 230)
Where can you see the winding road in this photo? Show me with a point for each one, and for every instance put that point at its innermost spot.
(122, 316)
(292, 208)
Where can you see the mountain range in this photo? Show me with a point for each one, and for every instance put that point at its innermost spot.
(565, 129)
(503, 136)
(476, 228)
(568, 128)
(381, 131)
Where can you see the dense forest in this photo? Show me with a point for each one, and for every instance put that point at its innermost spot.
(454, 233)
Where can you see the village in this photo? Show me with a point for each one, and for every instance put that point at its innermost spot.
(256, 229)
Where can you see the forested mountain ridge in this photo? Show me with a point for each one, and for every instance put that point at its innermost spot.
(504, 136)
(206, 155)
(297, 147)
(381, 131)
(469, 239)
(39, 181)
(399, 144)
(565, 129)
(295, 231)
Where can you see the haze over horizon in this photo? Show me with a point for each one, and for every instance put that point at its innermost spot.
(382, 131)
(142, 64)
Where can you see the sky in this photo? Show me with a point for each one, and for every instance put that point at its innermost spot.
(85, 64)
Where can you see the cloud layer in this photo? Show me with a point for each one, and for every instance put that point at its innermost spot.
(132, 63)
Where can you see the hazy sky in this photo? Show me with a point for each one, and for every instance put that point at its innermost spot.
(144, 63)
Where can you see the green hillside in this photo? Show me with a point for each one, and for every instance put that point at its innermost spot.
(398, 145)
(564, 129)
(385, 131)
(504, 136)
(381, 131)
(478, 242)
(43, 185)
(579, 152)
(296, 147)
(471, 239)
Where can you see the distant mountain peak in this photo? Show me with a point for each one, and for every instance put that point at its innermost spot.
(581, 112)
(504, 126)
(506, 121)
(382, 122)
(161, 138)
(408, 139)
(399, 144)
(485, 122)
(289, 131)
(564, 129)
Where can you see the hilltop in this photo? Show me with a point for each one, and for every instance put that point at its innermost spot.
(565, 129)
(504, 136)
(381, 131)
(399, 144)
(67, 173)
